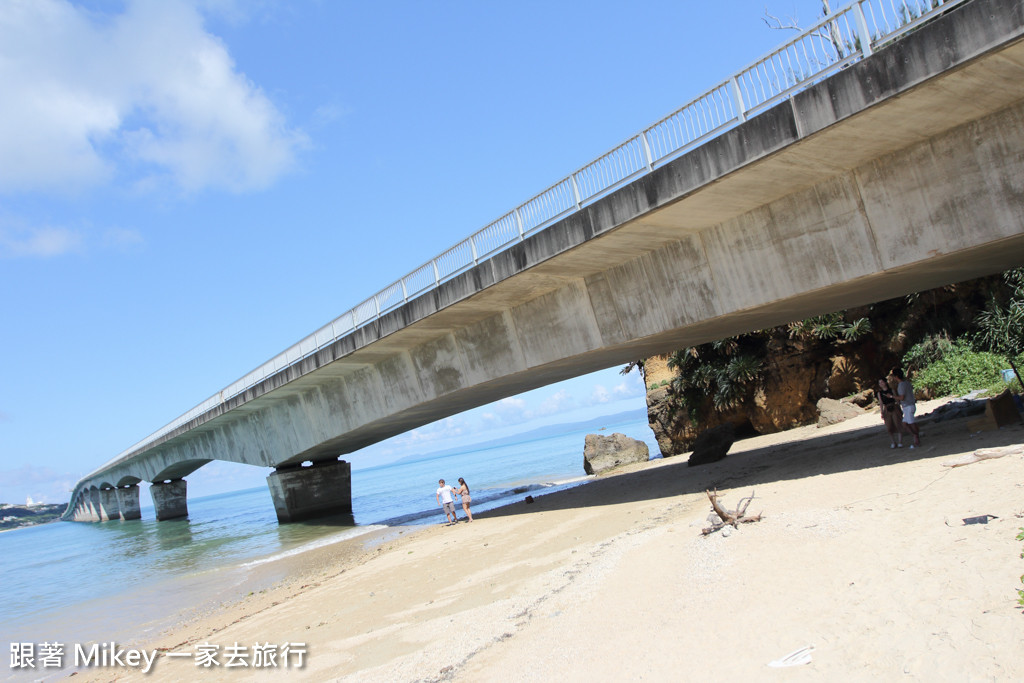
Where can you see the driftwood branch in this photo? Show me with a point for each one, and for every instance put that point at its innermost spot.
(985, 454)
(741, 509)
(728, 517)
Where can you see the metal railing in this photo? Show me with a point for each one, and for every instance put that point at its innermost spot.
(834, 42)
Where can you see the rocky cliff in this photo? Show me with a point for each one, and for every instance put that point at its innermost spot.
(792, 367)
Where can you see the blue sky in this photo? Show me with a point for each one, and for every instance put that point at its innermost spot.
(189, 187)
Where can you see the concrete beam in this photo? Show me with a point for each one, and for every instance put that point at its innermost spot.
(170, 499)
(323, 489)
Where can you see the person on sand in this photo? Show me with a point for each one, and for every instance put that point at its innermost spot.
(905, 395)
(891, 413)
(466, 498)
(445, 500)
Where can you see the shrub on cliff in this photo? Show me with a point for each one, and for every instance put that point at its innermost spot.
(929, 350)
(1001, 324)
(961, 369)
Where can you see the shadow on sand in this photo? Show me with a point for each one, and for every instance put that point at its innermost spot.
(799, 458)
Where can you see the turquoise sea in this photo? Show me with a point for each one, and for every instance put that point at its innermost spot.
(82, 583)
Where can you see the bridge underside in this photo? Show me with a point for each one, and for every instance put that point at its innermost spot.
(901, 173)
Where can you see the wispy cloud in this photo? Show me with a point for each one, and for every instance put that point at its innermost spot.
(42, 242)
(326, 114)
(559, 402)
(19, 241)
(148, 95)
(42, 484)
(122, 239)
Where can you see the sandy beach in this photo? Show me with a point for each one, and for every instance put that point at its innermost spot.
(861, 554)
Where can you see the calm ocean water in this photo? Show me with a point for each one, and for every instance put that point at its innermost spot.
(79, 583)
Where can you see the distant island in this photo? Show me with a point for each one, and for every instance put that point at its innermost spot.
(16, 516)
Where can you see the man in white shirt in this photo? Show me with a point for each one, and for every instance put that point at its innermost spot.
(905, 395)
(445, 500)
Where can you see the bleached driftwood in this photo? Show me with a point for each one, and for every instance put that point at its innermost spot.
(985, 454)
(729, 517)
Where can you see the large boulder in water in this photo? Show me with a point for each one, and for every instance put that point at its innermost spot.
(712, 444)
(603, 453)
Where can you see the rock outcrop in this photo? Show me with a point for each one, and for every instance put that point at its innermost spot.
(603, 453)
(712, 445)
(831, 411)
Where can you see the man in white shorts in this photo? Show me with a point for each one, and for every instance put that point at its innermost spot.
(905, 395)
(445, 500)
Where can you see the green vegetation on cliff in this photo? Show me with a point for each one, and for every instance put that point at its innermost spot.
(961, 369)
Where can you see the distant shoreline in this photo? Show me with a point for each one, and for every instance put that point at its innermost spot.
(21, 516)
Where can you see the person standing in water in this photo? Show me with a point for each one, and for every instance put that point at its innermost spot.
(466, 498)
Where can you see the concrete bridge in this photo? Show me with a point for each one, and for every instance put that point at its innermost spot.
(896, 167)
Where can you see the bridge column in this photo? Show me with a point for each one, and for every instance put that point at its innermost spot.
(324, 488)
(108, 507)
(128, 502)
(169, 499)
(92, 505)
(84, 511)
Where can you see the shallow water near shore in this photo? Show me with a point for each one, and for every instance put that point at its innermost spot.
(125, 581)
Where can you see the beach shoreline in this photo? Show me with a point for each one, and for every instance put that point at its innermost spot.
(862, 553)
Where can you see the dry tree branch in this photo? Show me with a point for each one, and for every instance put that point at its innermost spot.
(773, 22)
(729, 517)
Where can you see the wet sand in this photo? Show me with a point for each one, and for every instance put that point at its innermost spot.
(861, 553)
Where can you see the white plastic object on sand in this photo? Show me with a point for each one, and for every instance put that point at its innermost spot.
(795, 658)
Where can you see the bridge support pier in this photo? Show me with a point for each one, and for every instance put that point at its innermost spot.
(169, 499)
(299, 493)
(93, 505)
(128, 502)
(85, 511)
(108, 507)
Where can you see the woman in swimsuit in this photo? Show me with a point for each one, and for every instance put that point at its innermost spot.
(466, 498)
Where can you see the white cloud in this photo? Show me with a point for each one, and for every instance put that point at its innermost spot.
(21, 240)
(508, 411)
(433, 433)
(42, 484)
(147, 93)
(122, 239)
(42, 242)
(559, 402)
(630, 387)
(327, 114)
